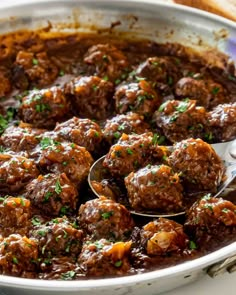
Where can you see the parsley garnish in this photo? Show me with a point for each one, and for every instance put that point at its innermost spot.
(118, 263)
(15, 260)
(69, 275)
(107, 215)
(35, 221)
(58, 188)
(35, 62)
(182, 107)
(192, 245)
(47, 196)
(129, 151)
(215, 90)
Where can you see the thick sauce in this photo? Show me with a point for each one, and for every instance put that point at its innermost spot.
(67, 100)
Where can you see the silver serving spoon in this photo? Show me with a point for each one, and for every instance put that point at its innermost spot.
(226, 150)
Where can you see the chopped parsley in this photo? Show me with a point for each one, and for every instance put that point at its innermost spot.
(15, 260)
(162, 107)
(42, 107)
(69, 275)
(192, 245)
(225, 210)
(107, 215)
(58, 188)
(35, 62)
(117, 135)
(47, 142)
(42, 233)
(105, 78)
(129, 151)
(182, 107)
(61, 73)
(64, 210)
(215, 90)
(35, 221)
(47, 196)
(118, 263)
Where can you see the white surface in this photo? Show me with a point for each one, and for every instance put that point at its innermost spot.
(222, 284)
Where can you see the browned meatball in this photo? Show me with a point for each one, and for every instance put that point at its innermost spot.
(58, 238)
(158, 69)
(132, 152)
(139, 97)
(107, 62)
(181, 119)
(44, 108)
(128, 123)
(16, 172)
(52, 193)
(207, 93)
(91, 97)
(211, 221)
(65, 157)
(18, 256)
(163, 236)
(104, 218)
(104, 258)
(33, 69)
(21, 139)
(5, 85)
(155, 188)
(198, 164)
(15, 213)
(83, 132)
(222, 123)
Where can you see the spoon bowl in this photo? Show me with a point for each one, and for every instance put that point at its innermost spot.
(226, 150)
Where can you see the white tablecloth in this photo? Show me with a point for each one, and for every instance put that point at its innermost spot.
(222, 285)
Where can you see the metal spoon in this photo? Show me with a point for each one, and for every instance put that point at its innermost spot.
(226, 150)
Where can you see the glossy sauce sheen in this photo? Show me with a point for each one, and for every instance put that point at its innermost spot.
(66, 100)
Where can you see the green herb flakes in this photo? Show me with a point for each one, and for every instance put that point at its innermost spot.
(58, 188)
(118, 263)
(192, 245)
(107, 215)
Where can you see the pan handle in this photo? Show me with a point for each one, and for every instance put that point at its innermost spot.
(227, 265)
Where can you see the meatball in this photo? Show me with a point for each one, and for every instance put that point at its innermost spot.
(181, 119)
(200, 167)
(58, 238)
(104, 218)
(155, 188)
(163, 236)
(15, 213)
(207, 93)
(91, 97)
(158, 69)
(18, 255)
(21, 139)
(132, 152)
(211, 221)
(52, 193)
(104, 258)
(44, 108)
(128, 123)
(222, 123)
(16, 172)
(83, 132)
(5, 85)
(107, 62)
(65, 157)
(139, 97)
(33, 70)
